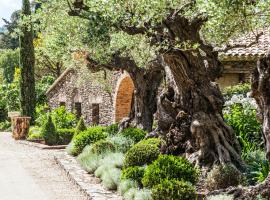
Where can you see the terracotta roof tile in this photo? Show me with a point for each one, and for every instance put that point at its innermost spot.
(253, 52)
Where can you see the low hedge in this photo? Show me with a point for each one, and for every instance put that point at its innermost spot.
(87, 137)
(65, 136)
(173, 190)
(135, 134)
(141, 154)
(169, 167)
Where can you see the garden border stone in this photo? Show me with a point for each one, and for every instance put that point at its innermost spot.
(40, 146)
(87, 183)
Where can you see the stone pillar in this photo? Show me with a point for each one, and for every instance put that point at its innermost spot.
(20, 127)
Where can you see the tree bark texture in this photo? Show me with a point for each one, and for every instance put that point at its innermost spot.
(261, 92)
(28, 96)
(20, 127)
(190, 110)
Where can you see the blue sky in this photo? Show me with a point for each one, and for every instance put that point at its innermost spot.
(7, 7)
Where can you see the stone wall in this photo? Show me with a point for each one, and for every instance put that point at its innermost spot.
(88, 93)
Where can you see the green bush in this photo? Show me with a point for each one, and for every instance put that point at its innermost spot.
(173, 190)
(80, 126)
(133, 173)
(112, 129)
(87, 137)
(4, 126)
(49, 132)
(244, 122)
(242, 89)
(152, 141)
(135, 134)
(169, 167)
(65, 136)
(141, 154)
(102, 146)
(258, 166)
(35, 133)
(63, 119)
(221, 177)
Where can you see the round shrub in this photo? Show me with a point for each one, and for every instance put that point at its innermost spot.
(102, 146)
(65, 136)
(169, 167)
(141, 154)
(152, 141)
(173, 190)
(87, 137)
(223, 176)
(49, 132)
(134, 173)
(135, 134)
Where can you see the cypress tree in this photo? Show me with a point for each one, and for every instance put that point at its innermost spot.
(27, 83)
(80, 126)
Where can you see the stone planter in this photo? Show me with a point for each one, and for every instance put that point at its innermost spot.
(20, 127)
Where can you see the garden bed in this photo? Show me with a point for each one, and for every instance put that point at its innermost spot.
(88, 184)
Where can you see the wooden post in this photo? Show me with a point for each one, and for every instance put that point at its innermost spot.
(20, 127)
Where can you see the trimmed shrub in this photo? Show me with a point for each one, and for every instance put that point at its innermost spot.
(65, 136)
(152, 141)
(121, 143)
(135, 134)
(169, 167)
(87, 137)
(221, 177)
(173, 190)
(112, 129)
(80, 126)
(49, 132)
(141, 154)
(34, 133)
(133, 173)
(103, 146)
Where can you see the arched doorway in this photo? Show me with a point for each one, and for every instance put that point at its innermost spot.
(123, 97)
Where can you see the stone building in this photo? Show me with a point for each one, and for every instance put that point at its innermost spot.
(239, 62)
(90, 99)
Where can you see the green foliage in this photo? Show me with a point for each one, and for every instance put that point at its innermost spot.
(111, 178)
(5, 125)
(133, 173)
(80, 126)
(42, 112)
(9, 60)
(65, 136)
(41, 88)
(169, 167)
(242, 118)
(152, 141)
(221, 177)
(49, 132)
(141, 154)
(135, 134)
(242, 89)
(173, 190)
(258, 166)
(63, 119)
(35, 133)
(121, 143)
(103, 146)
(87, 137)
(112, 129)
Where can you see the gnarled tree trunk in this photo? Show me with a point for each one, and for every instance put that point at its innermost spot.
(261, 92)
(190, 111)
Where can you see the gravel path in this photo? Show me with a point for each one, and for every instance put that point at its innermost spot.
(28, 173)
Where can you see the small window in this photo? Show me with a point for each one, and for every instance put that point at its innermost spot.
(62, 104)
(95, 114)
(78, 109)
